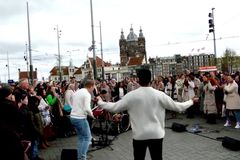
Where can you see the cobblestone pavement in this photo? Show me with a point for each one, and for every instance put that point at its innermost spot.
(176, 146)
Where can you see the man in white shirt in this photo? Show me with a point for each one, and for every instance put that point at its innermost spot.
(146, 107)
(81, 108)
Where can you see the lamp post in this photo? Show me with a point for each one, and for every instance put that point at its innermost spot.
(29, 49)
(93, 43)
(59, 56)
(103, 77)
(26, 59)
(212, 29)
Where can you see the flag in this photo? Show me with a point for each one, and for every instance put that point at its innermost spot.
(192, 50)
(198, 50)
(202, 48)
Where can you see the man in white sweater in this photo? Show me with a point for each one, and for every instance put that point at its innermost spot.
(81, 108)
(146, 107)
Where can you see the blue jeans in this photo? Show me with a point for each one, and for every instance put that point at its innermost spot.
(236, 114)
(34, 149)
(84, 136)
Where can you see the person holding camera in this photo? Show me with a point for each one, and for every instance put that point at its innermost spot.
(232, 100)
(210, 108)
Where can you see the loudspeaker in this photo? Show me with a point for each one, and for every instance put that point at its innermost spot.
(177, 127)
(69, 154)
(231, 143)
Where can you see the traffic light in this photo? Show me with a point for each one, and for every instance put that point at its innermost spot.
(211, 22)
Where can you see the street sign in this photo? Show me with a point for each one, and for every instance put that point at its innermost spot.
(10, 81)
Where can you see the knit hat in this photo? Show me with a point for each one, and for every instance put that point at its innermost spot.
(5, 91)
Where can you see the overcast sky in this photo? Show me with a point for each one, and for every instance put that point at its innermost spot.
(169, 26)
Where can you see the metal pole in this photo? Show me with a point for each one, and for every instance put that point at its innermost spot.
(93, 43)
(8, 66)
(29, 48)
(59, 56)
(214, 39)
(103, 75)
(26, 59)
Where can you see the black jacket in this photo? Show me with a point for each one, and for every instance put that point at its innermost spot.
(10, 115)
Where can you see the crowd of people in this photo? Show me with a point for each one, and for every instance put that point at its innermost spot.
(34, 114)
(218, 94)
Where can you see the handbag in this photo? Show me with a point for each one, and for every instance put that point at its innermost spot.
(67, 108)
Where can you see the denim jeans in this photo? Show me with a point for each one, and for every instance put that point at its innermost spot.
(84, 136)
(34, 149)
(236, 114)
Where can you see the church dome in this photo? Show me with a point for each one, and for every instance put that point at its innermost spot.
(132, 36)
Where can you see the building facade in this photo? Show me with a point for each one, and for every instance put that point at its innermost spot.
(175, 65)
(67, 72)
(133, 46)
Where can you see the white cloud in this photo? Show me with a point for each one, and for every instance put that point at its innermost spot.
(170, 27)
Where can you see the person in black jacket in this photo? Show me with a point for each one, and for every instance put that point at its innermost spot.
(9, 113)
(10, 146)
(31, 121)
(10, 126)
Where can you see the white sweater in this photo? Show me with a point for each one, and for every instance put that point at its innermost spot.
(68, 97)
(81, 104)
(146, 107)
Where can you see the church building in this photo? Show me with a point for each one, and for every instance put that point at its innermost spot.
(132, 47)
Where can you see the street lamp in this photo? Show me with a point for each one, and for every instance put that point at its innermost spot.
(212, 29)
(59, 57)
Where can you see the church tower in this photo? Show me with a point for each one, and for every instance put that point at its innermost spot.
(133, 46)
(142, 45)
(123, 49)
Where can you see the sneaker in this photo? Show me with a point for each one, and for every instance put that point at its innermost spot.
(227, 124)
(238, 125)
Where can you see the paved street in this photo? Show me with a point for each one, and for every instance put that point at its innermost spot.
(177, 146)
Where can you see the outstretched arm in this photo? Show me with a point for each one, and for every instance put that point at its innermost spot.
(168, 103)
(113, 107)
